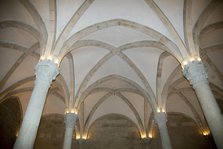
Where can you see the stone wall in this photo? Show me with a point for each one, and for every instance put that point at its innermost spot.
(113, 132)
(184, 133)
(220, 104)
(10, 119)
(118, 132)
(110, 132)
(51, 132)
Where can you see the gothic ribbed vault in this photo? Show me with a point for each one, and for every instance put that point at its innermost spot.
(116, 57)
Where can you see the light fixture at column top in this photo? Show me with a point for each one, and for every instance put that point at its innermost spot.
(50, 58)
(150, 135)
(188, 60)
(143, 135)
(72, 110)
(206, 132)
(78, 136)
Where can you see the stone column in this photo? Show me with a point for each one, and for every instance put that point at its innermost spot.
(161, 120)
(147, 142)
(81, 141)
(70, 120)
(45, 72)
(195, 72)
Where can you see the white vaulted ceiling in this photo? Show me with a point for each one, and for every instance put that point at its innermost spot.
(119, 56)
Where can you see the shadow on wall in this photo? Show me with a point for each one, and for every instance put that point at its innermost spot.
(220, 104)
(113, 131)
(51, 132)
(184, 133)
(10, 120)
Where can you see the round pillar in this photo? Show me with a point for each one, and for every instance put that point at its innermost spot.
(195, 72)
(70, 120)
(161, 120)
(45, 72)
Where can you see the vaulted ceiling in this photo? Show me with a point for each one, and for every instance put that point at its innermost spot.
(120, 56)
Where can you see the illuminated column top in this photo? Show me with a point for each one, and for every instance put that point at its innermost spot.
(195, 72)
(46, 71)
(161, 118)
(70, 120)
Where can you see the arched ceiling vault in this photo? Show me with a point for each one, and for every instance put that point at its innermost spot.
(129, 48)
(126, 23)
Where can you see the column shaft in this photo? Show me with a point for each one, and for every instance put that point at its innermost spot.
(68, 138)
(161, 122)
(195, 72)
(70, 120)
(46, 71)
(211, 111)
(81, 141)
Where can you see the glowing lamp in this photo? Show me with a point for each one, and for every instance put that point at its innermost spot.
(42, 58)
(143, 135)
(206, 133)
(84, 137)
(78, 136)
(163, 110)
(192, 59)
(150, 135)
(185, 63)
(49, 58)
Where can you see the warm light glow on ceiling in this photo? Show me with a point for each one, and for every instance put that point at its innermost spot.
(78, 136)
(50, 58)
(150, 135)
(190, 59)
(56, 61)
(84, 137)
(163, 110)
(185, 62)
(73, 110)
(17, 133)
(42, 58)
(199, 59)
(143, 135)
(206, 132)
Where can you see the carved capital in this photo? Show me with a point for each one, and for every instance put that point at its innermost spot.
(46, 71)
(195, 72)
(70, 120)
(147, 141)
(161, 118)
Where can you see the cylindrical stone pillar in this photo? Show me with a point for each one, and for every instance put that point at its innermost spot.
(70, 120)
(147, 142)
(161, 120)
(195, 72)
(45, 71)
(81, 141)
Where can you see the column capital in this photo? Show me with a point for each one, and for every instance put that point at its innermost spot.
(147, 140)
(70, 120)
(46, 71)
(195, 72)
(161, 117)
